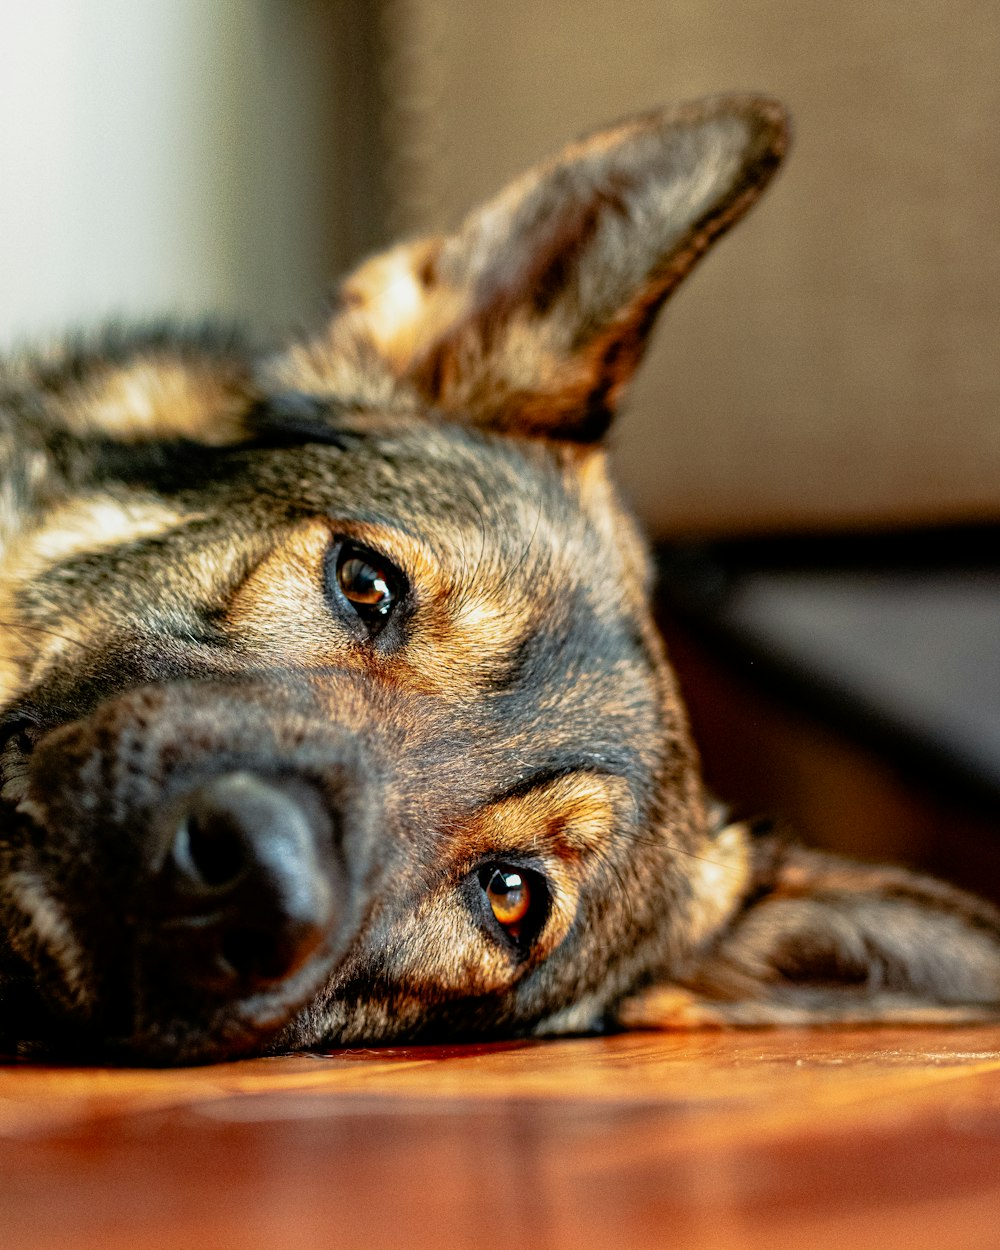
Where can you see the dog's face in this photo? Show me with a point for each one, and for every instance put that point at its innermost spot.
(423, 656)
(334, 709)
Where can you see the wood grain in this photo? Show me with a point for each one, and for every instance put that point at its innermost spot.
(785, 1139)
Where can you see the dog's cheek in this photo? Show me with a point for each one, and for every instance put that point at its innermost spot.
(437, 951)
(279, 612)
(40, 934)
(720, 878)
(410, 969)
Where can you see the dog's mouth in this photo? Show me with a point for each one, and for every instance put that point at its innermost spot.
(176, 881)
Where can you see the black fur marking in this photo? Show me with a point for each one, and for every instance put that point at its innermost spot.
(169, 467)
(294, 418)
(572, 766)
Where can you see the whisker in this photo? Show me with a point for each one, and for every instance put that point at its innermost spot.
(528, 544)
(40, 629)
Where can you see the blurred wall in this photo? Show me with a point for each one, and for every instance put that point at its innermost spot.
(834, 363)
(182, 158)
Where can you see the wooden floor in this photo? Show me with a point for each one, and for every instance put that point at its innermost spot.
(781, 1139)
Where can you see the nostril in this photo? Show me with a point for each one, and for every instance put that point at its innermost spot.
(248, 893)
(210, 850)
(237, 825)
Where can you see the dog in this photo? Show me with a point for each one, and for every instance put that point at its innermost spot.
(333, 709)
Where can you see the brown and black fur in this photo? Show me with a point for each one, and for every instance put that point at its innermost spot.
(175, 511)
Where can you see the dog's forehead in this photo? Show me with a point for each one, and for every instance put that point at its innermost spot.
(463, 491)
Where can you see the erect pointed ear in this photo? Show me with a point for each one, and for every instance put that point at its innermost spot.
(820, 940)
(533, 316)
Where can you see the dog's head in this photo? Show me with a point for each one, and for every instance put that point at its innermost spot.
(334, 708)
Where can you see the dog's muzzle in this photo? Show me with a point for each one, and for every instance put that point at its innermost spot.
(212, 850)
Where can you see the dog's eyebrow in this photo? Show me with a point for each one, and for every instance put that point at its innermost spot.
(292, 418)
(546, 776)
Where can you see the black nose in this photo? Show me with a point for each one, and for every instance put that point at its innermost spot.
(247, 894)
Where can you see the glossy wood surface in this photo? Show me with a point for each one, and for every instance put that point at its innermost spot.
(878, 1138)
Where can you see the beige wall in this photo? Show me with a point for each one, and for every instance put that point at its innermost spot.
(837, 360)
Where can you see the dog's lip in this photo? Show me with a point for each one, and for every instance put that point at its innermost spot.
(118, 1033)
(235, 1029)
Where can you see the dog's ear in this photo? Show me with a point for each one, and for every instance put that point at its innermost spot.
(534, 314)
(819, 940)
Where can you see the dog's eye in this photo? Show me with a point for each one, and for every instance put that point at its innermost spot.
(516, 898)
(370, 584)
(365, 584)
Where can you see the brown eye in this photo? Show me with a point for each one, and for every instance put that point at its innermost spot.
(370, 584)
(365, 583)
(509, 896)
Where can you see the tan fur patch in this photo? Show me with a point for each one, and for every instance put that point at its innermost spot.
(84, 526)
(571, 816)
(49, 927)
(618, 530)
(720, 875)
(404, 310)
(438, 949)
(160, 398)
(672, 1007)
(281, 610)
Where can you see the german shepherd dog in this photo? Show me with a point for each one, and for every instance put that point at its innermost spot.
(333, 710)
